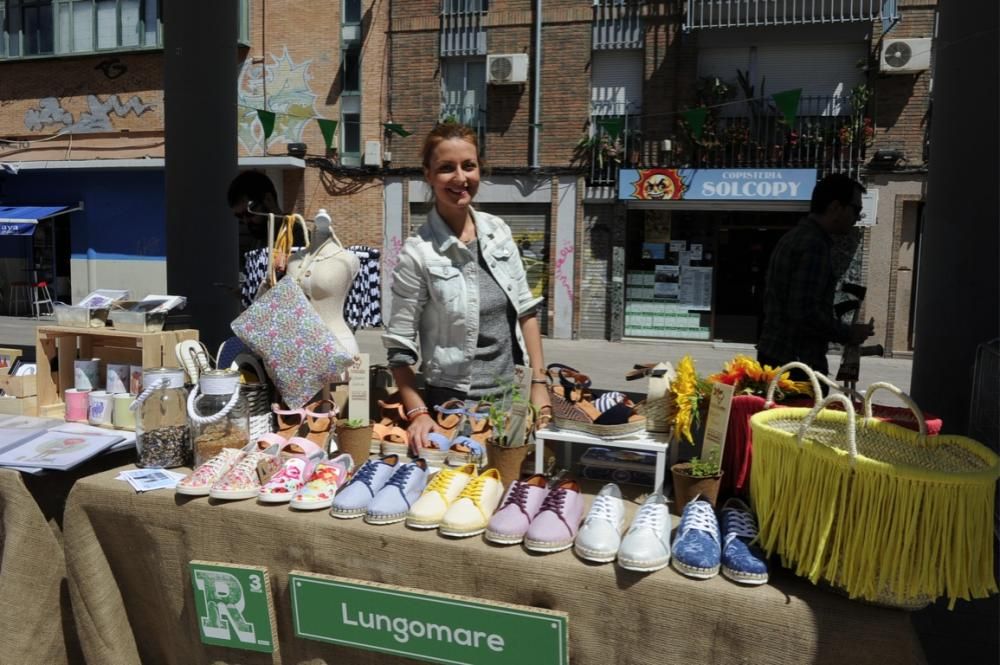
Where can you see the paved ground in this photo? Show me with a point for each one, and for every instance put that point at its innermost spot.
(605, 362)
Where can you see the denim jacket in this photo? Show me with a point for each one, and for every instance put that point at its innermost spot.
(435, 296)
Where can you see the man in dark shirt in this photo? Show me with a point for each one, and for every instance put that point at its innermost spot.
(799, 321)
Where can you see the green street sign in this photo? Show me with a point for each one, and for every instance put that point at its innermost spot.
(434, 627)
(234, 606)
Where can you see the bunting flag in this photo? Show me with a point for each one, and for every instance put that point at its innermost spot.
(396, 128)
(267, 122)
(695, 119)
(329, 129)
(611, 126)
(788, 103)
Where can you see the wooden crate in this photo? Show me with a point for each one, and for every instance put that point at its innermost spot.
(19, 386)
(107, 344)
(19, 406)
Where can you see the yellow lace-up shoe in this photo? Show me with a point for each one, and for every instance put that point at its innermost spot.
(441, 492)
(471, 512)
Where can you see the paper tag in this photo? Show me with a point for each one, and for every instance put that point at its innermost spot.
(265, 471)
(359, 387)
(719, 405)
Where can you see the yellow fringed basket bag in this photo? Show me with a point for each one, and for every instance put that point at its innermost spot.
(886, 514)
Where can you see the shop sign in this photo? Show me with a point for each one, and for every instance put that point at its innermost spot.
(234, 606)
(17, 228)
(433, 627)
(716, 184)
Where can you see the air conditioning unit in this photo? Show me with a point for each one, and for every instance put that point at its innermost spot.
(507, 69)
(373, 153)
(905, 56)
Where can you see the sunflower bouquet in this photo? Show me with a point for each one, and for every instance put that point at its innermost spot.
(749, 377)
(687, 392)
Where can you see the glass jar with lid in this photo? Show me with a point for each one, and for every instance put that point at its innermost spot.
(162, 436)
(219, 414)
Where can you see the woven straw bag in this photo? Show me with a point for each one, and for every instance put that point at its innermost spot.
(888, 515)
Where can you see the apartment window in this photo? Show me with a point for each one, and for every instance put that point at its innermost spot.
(352, 12)
(351, 68)
(352, 133)
(57, 27)
(464, 89)
(464, 6)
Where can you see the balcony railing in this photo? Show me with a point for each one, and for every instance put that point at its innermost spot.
(617, 24)
(608, 150)
(462, 31)
(761, 139)
(755, 13)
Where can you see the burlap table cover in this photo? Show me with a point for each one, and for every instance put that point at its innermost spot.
(127, 554)
(34, 605)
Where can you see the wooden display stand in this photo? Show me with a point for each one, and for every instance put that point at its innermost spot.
(109, 345)
(20, 395)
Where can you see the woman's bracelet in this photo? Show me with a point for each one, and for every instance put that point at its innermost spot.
(416, 411)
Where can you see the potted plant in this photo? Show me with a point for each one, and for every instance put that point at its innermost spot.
(354, 437)
(510, 418)
(694, 477)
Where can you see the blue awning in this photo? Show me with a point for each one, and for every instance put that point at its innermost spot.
(23, 220)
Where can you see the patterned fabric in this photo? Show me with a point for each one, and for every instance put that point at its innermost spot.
(254, 273)
(288, 479)
(211, 471)
(323, 484)
(799, 321)
(608, 400)
(301, 353)
(697, 547)
(243, 475)
(742, 560)
(363, 308)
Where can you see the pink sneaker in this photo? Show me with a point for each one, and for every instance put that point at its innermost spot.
(519, 506)
(242, 480)
(200, 481)
(557, 521)
(299, 459)
(327, 477)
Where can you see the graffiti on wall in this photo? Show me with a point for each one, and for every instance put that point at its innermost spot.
(289, 95)
(50, 112)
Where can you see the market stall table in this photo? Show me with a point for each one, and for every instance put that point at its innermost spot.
(127, 558)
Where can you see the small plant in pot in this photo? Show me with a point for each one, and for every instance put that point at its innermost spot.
(354, 437)
(510, 416)
(694, 477)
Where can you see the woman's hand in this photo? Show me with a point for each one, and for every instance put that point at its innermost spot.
(417, 432)
(542, 405)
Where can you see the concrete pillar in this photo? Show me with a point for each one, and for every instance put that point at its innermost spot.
(959, 280)
(199, 90)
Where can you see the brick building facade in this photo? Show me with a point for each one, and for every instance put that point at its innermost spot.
(88, 127)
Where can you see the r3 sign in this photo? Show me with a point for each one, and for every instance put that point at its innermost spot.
(234, 606)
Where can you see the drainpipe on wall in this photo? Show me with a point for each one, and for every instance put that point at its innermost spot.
(91, 270)
(536, 86)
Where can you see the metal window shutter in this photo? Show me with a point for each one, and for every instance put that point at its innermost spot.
(593, 302)
(527, 223)
(616, 79)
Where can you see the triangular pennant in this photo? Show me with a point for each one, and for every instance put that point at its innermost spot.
(611, 126)
(396, 128)
(788, 103)
(695, 119)
(328, 128)
(266, 122)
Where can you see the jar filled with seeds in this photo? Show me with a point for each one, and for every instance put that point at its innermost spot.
(219, 414)
(162, 436)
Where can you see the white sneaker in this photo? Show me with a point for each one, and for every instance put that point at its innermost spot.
(646, 545)
(601, 534)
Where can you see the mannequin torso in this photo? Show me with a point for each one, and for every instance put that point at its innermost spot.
(326, 271)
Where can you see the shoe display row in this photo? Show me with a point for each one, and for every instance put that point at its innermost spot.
(462, 502)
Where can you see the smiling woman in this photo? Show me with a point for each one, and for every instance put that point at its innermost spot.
(460, 288)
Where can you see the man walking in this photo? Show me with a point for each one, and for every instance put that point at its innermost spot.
(799, 320)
